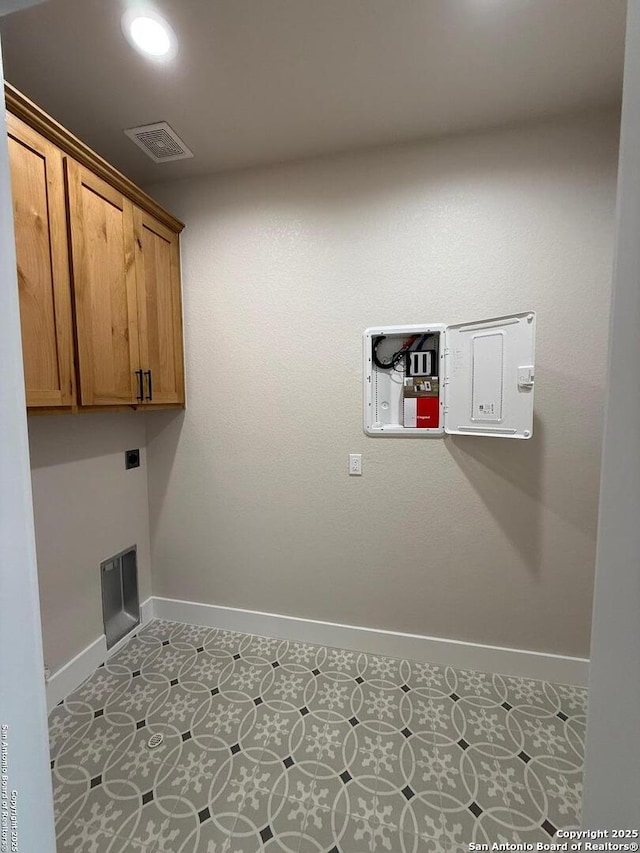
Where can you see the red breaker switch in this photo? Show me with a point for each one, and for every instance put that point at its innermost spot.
(422, 412)
(421, 402)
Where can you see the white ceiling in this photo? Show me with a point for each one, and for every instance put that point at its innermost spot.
(262, 81)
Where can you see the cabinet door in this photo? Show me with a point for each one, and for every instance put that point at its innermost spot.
(104, 285)
(40, 223)
(159, 310)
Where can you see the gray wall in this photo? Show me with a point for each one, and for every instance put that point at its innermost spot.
(485, 540)
(612, 771)
(87, 508)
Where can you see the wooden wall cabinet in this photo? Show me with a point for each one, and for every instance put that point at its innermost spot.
(99, 276)
(40, 221)
(104, 283)
(157, 262)
(126, 273)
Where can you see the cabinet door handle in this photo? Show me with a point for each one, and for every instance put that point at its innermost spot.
(147, 373)
(140, 385)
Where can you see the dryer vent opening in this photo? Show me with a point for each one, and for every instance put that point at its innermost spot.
(120, 600)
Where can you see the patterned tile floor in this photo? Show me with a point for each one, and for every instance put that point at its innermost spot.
(277, 746)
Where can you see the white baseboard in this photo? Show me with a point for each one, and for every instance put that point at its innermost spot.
(70, 676)
(146, 611)
(464, 655)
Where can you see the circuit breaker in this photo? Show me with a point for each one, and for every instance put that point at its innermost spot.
(470, 379)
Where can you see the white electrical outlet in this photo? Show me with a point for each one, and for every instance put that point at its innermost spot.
(355, 464)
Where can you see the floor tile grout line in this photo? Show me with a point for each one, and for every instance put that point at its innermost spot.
(182, 794)
(303, 833)
(242, 802)
(65, 743)
(351, 816)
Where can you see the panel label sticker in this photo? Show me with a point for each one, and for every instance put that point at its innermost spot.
(487, 376)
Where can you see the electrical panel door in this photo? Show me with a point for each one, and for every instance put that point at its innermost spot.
(489, 375)
(469, 379)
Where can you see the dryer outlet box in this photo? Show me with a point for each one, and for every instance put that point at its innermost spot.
(132, 459)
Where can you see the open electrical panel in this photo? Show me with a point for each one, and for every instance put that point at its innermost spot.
(469, 379)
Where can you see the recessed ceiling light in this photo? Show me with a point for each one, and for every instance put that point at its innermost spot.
(149, 33)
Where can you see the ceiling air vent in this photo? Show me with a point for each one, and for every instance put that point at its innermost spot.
(160, 142)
